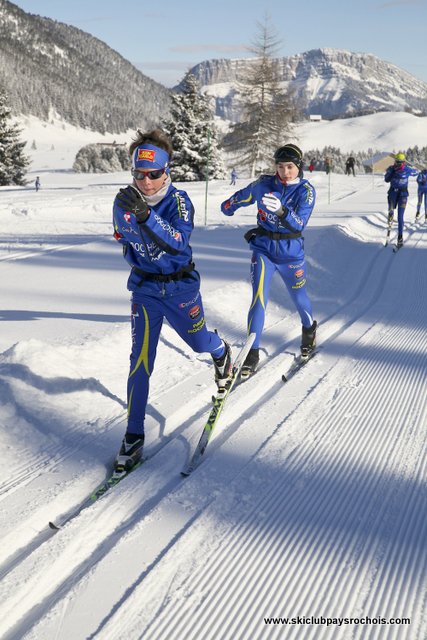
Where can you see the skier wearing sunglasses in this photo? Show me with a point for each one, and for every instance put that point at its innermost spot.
(153, 221)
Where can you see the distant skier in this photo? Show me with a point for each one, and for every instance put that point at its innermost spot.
(37, 183)
(233, 176)
(349, 166)
(153, 220)
(284, 203)
(312, 165)
(398, 175)
(422, 192)
(328, 165)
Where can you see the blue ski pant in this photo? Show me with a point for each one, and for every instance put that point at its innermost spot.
(421, 193)
(185, 314)
(398, 198)
(293, 275)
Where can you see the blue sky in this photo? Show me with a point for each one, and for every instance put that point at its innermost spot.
(165, 38)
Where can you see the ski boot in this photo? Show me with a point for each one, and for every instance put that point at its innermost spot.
(130, 452)
(250, 365)
(223, 367)
(399, 242)
(308, 341)
(417, 216)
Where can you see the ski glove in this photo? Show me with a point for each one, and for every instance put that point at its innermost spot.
(226, 206)
(273, 204)
(132, 200)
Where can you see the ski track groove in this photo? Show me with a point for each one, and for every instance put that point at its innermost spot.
(380, 447)
(248, 592)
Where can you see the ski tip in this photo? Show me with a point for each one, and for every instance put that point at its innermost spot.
(54, 526)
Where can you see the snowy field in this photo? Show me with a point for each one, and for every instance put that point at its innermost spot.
(56, 142)
(307, 518)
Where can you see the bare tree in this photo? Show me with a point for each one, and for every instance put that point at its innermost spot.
(268, 110)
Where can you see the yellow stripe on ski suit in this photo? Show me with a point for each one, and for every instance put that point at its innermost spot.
(143, 356)
(260, 291)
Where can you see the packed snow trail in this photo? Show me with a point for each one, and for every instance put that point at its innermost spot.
(311, 500)
(338, 526)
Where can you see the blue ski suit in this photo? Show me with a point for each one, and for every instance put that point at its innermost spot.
(277, 244)
(422, 190)
(164, 284)
(397, 195)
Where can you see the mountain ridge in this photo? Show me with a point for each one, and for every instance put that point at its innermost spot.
(50, 66)
(50, 69)
(330, 82)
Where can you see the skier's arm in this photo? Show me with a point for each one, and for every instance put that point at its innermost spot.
(130, 221)
(389, 174)
(241, 198)
(130, 209)
(174, 236)
(296, 215)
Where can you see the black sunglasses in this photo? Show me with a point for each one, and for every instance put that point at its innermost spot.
(153, 175)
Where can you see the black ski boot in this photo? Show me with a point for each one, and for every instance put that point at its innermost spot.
(250, 365)
(417, 215)
(308, 341)
(130, 452)
(399, 242)
(223, 367)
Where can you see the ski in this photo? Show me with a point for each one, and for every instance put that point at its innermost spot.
(387, 240)
(110, 482)
(298, 363)
(218, 405)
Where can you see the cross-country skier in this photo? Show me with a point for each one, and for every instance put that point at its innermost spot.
(422, 192)
(153, 220)
(284, 203)
(398, 175)
(349, 166)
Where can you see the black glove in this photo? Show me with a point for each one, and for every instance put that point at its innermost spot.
(132, 200)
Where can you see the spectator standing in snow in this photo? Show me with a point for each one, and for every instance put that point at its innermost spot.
(397, 175)
(422, 192)
(328, 165)
(153, 221)
(284, 203)
(312, 165)
(233, 176)
(37, 183)
(349, 166)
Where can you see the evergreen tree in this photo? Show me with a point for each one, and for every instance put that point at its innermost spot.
(193, 133)
(268, 109)
(99, 158)
(13, 163)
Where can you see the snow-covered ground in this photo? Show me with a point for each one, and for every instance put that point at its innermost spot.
(56, 142)
(311, 501)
